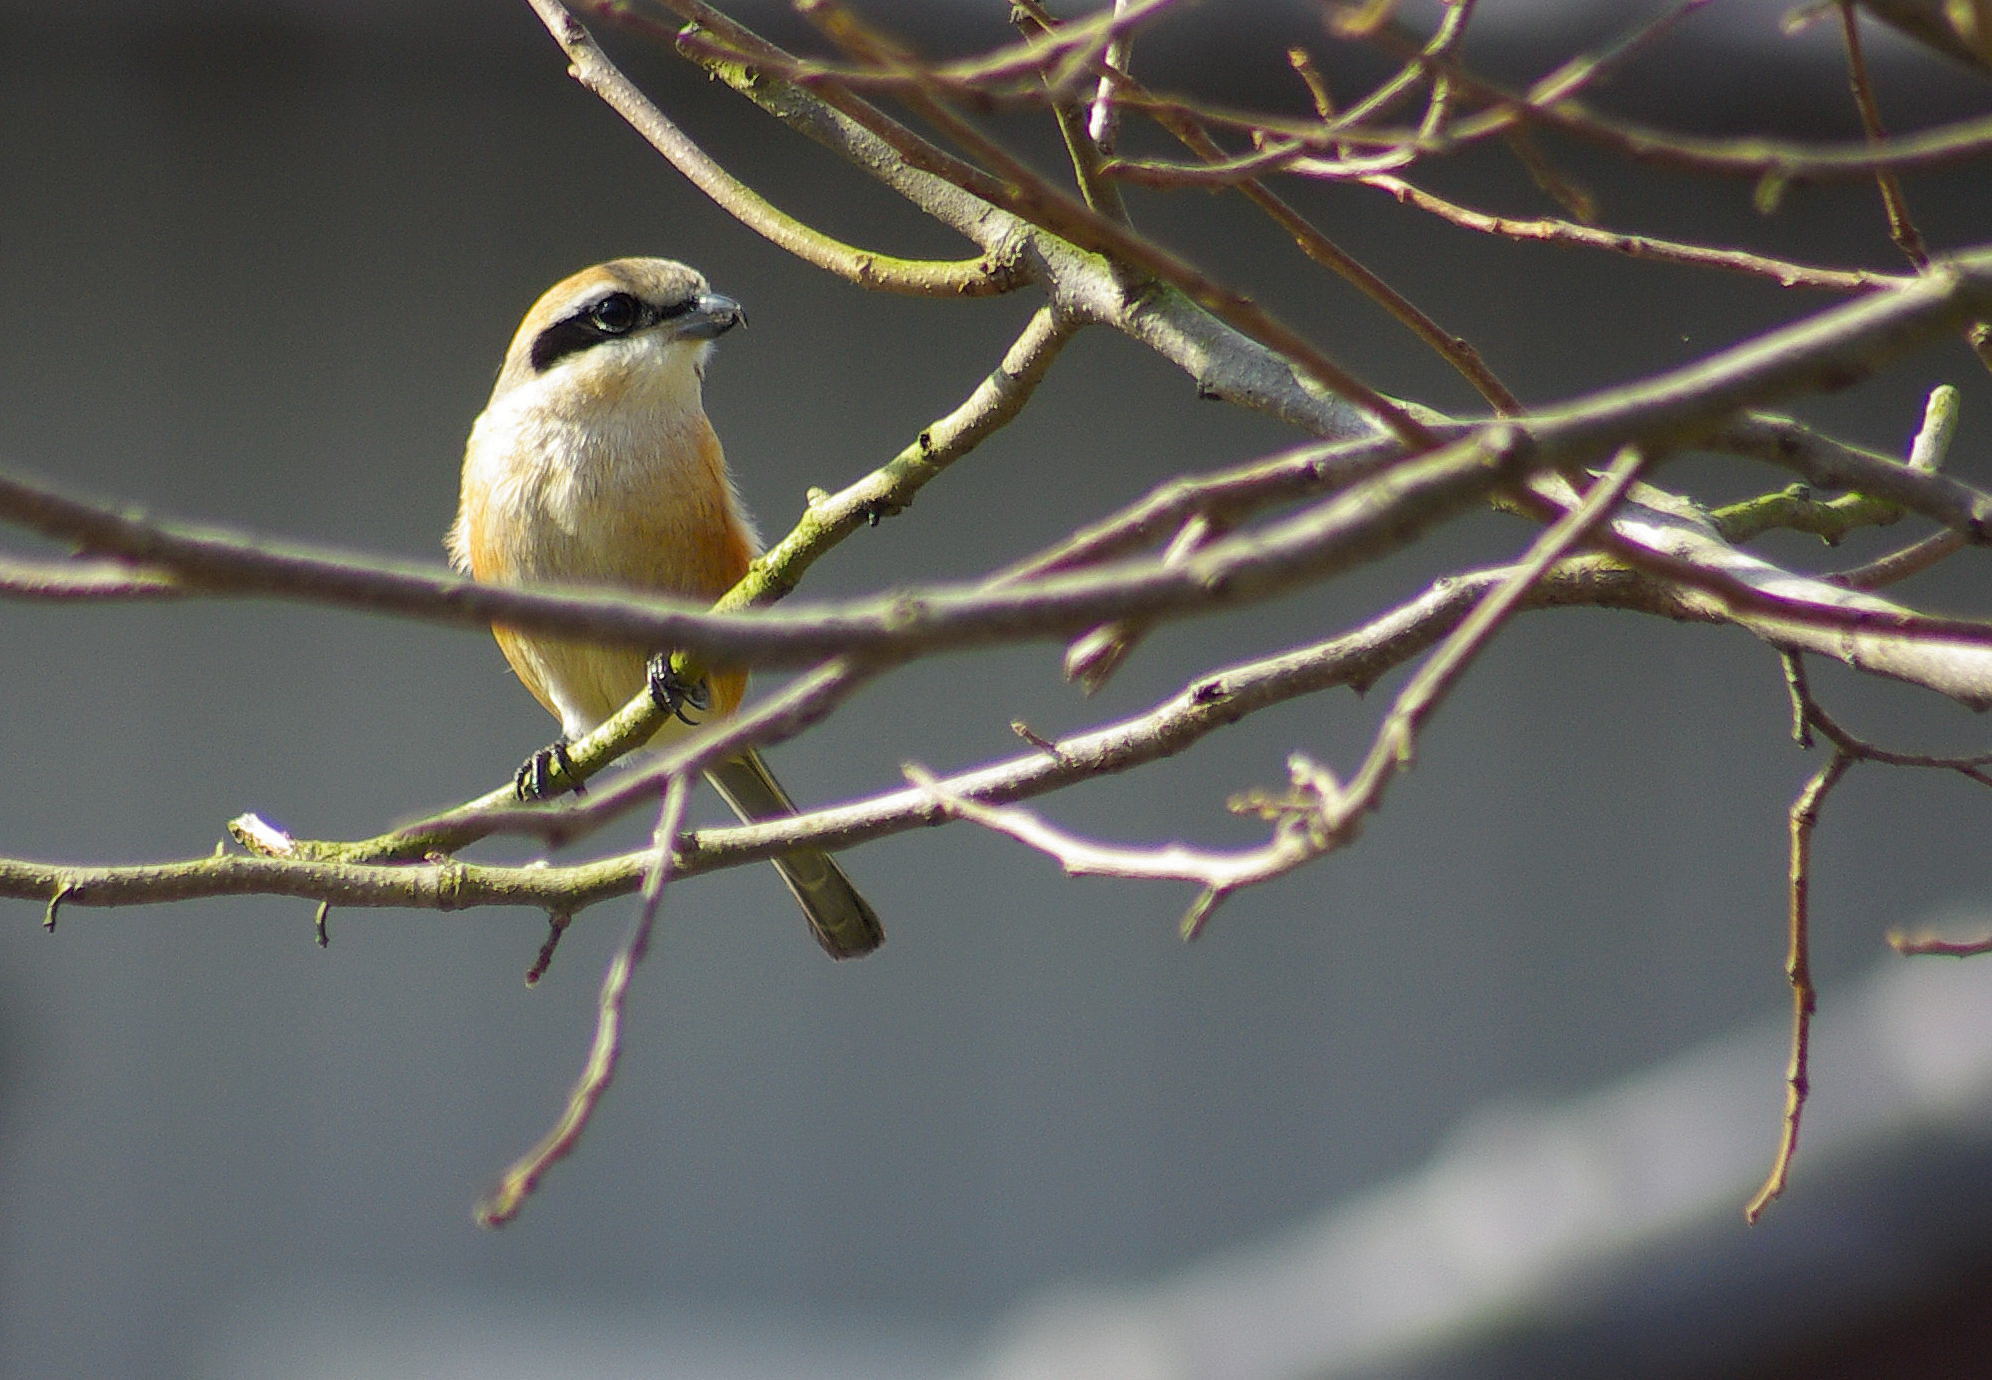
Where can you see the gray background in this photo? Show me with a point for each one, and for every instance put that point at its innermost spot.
(259, 266)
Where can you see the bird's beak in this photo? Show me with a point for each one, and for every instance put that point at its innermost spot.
(715, 315)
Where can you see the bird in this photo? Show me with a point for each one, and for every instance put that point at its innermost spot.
(594, 463)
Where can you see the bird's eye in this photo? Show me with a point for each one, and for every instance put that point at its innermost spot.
(616, 314)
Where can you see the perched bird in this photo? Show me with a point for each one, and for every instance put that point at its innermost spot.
(594, 463)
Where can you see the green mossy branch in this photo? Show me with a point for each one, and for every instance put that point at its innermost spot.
(1799, 508)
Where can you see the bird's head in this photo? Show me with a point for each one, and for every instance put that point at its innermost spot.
(628, 324)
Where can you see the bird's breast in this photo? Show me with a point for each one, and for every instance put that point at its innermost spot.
(634, 497)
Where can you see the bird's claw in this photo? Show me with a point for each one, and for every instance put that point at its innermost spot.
(547, 773)
(673, 693)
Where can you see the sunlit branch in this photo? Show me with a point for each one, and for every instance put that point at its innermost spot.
(591, 67)
(1549, 230)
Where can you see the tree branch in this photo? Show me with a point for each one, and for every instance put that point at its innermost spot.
(508, 1198)
(589, 65)
(1320, 814)
(1548, 230)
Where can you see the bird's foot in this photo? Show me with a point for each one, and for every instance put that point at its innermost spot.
(673, 693)
(547, 773)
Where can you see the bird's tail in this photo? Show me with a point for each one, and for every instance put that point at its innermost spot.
(840, 919)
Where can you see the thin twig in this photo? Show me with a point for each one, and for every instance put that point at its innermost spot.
(1900, 564)
(509, 1196)
(1550, 103)
(1075, 123)
(1857, 749)
(1017, 69)
(1438, 109)
(1212, 701)
(1283, 143)
(1092, 658)
(1750, 156)
(1798, 970)
(1901, 229)
(1223, 496)
(556, 930)
(1811, 717)
(981, 276)
(1919, 945)
(1549, 230)
(1103, 116)
(1321, 814)
(1927, 453)
(1391, 751)
(1017, 188)
(1454, 349)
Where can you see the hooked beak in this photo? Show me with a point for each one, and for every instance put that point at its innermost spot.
(714, 315)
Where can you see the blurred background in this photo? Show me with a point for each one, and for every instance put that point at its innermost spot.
(1482, 1096)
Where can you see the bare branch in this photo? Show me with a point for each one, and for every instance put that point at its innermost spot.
(1212, 701)
(591, 67)
(1899, 565)
(441, 885)
(1926, 454)
(1798, 969)
(1921, 943)
(1549, 104)
(1784, 160)
(1050, 55)
(1175, 862)
(508, 1198)
(1321, 814)
(1797, 508)
(1379, 514)
(1901, 229)
(1016, 188)
(1666, 538)
(1931, 445)
(1317, 246)
(1103, 116)
(804, 702)
(83, 581)
(1548, 230)
(1281, 144)
(1810, 718)
(1075, 122)
(1829, 463)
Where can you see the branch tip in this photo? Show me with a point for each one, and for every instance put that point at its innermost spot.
(556, 926)
(1199, 913)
